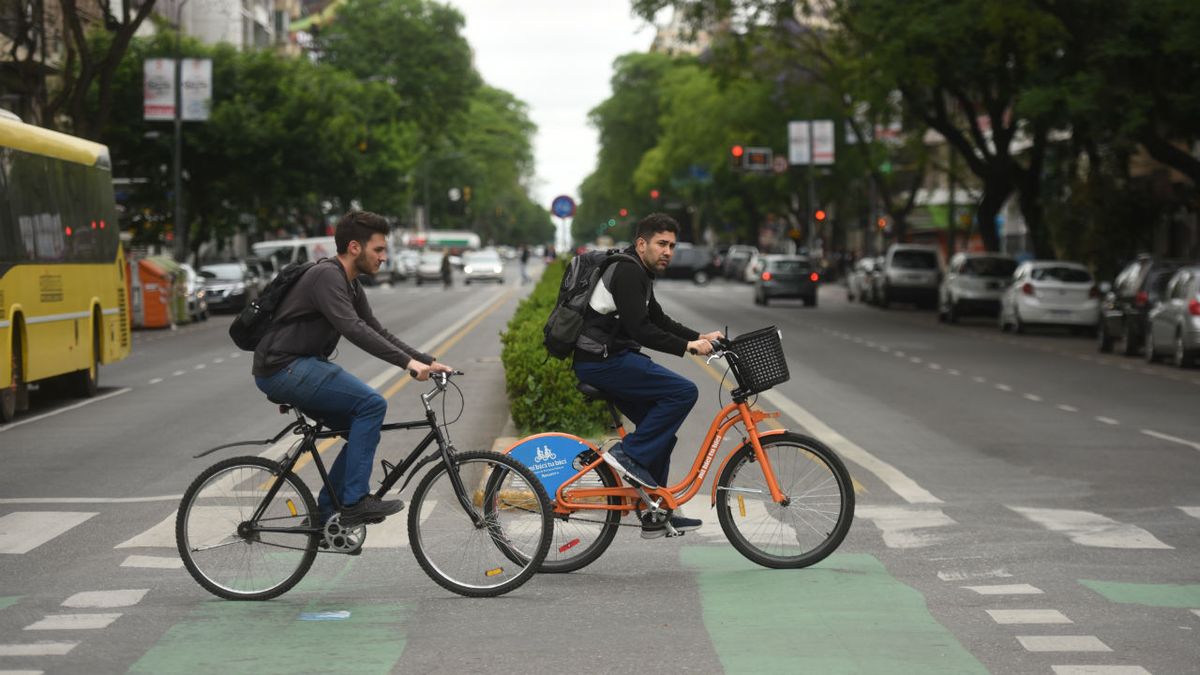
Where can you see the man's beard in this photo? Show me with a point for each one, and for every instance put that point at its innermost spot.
(362, 264)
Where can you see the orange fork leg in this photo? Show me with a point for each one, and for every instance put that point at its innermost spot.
(768, 473)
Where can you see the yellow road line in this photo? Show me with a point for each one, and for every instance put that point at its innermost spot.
(404, 378)
(773, 423)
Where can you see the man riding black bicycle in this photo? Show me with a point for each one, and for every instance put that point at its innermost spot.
(291, 363)
(623, 316)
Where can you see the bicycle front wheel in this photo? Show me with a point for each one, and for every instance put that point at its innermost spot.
(499, 548)
(818, 510)
(221, 543)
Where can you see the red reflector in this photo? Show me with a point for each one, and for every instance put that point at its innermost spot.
(102, 224)
(68, 230)
(766, 276)
(1027, 289)
(569, 545)
(1141, 299)
(814, 276)
(1194, 307)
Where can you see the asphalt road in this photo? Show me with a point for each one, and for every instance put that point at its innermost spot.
(1025, 506)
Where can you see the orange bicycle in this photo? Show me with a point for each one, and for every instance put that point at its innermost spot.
(784, 500)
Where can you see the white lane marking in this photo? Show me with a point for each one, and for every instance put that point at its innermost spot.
(177, 373)
(1196, 612)
(1173, 439)
(1092, 529)
(74, 622)
(1003, 387)
(235, 355)
(89, 500)
(22, 672)
(1067, 408)
(915, 359)
(1033, 397)
(155, 380)
(952, 575)
(953, 372)
(59, 411)
(897, 523)
(106, 599)
(218, 360)
(895, 479)
(153, 562)
(935, 366)
(1027, 616)
(1099, 670)
(160, 535)
(1193, 511)
(38, 649)
(1106, 420)
(980, 380)
(199, 366)
(388, 534)
(1062, 643)
(1006, 589)
(23, 531)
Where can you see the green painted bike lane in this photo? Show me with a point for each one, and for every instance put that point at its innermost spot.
(843, 615)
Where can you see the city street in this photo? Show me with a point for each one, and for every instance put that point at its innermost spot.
(1025, 505)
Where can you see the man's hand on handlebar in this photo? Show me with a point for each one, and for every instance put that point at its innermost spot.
(714, 336)
(421, 372)
(702, 346)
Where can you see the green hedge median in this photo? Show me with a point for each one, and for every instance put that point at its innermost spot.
(541, 390)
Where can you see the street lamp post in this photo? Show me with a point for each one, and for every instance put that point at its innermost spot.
(181, 230)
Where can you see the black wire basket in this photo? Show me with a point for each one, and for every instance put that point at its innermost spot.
(759, 363)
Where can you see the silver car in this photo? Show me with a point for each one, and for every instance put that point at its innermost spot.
(858, 282)
(1050, 292)
(1174, 325)
(483, 265)
(973, 285)
(911, 273)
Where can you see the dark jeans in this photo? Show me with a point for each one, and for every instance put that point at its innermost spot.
(654, 398)
(339, 400)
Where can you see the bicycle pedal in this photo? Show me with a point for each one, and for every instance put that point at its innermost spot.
(675, 533)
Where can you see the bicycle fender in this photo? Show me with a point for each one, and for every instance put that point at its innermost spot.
(522, 441)
(721, 469)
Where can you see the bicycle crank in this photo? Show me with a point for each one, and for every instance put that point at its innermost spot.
(343, 539)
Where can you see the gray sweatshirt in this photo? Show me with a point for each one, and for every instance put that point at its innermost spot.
(317, 311)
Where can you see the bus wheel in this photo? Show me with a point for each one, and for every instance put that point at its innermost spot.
(85, 382)
(15, 397)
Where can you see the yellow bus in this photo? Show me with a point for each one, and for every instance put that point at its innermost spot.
(63, 300)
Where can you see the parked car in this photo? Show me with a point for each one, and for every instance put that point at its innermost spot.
(260, 270)
(482, 265)
(229, 286)
(858, 281)
(1049, 292)
(697, 263)
(1125, 307)
(429, 267)
(973, 284)
(786, 276)
(736, 258)
(911, 273)
(283, 252)
(197, 305)
(753, 267)
(1174, 326)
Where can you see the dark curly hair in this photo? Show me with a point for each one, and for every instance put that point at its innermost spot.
(358, 226)
(653, 224)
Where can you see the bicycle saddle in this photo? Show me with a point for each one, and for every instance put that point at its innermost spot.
(590, 392)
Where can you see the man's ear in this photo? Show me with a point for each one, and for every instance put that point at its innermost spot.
(640, 245)
(354, 248)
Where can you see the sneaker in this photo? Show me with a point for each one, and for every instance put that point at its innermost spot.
(685, 524)
(628, 467)
(370, 509)
(652, 530)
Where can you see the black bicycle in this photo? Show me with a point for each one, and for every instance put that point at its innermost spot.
(479, 522)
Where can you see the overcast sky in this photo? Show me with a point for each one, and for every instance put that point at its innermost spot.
(556, 56)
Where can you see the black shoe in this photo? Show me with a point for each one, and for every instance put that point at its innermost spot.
(651, 529)
(369, 510)
(685, 524)
(628, 467)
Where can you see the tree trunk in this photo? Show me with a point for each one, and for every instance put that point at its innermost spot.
(996, 190)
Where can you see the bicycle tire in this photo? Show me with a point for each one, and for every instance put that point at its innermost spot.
(480, 562)
(581, 537)
(231, 564)
(810, 527)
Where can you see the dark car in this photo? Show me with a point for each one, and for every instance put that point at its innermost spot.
(1126, 306)
(786, 276)
(697, 263)
(733, 265)
(228, 286)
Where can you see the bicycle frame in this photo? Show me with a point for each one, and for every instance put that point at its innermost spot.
(569, 499)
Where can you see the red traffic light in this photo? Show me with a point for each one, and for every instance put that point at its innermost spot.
(654, 194)
(623, 212)
(737, 151)
(882, 223)
(819, 215)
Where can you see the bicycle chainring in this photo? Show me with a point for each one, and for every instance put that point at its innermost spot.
(344, 539)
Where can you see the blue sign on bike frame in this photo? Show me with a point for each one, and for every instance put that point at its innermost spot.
(551, 457)
(563, 206)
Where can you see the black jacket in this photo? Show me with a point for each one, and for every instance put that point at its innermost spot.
(639, 321)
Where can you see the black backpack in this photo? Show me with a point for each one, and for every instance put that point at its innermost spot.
(565, 323)
(253, 322)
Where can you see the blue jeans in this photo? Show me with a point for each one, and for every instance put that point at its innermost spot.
(323, 391)
(652, 397)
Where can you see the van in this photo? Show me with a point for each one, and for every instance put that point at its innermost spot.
(911, 273)
(280, 253)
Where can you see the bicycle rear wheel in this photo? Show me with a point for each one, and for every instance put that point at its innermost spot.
(224, 551)
(507, 546)
(819, 509)
(583, 536)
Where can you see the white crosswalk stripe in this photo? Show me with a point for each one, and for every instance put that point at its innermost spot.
(23, 531)
(1092, 529)
(906, 526)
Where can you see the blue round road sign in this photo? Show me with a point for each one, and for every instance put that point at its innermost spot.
(563, 206)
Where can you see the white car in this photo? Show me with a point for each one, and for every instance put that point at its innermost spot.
(911, 273)
(1174, 324)
(1050, 292)
(973, 284)
(429, 267)
(482, 266)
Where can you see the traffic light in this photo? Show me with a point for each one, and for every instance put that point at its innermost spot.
(654, 194)
(737, 156)
(612, 222)
(623, 212)
(882, 223)
(819, 215)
